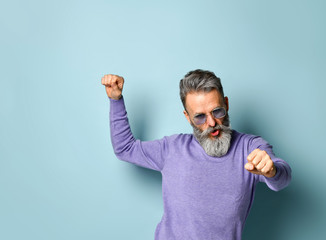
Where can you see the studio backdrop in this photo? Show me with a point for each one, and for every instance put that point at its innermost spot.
(59, 177)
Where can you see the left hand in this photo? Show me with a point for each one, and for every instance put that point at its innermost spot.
(259, 162)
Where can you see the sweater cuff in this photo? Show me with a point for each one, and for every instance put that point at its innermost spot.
(117, 106)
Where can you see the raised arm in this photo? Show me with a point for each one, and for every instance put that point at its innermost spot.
(148, 154)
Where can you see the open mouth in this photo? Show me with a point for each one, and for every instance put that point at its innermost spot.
(215, 132)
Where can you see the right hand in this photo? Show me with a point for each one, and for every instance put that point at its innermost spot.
(113, 85)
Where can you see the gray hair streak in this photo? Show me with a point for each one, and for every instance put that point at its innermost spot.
(199, 80)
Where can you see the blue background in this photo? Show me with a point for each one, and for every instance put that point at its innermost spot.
(59, 177)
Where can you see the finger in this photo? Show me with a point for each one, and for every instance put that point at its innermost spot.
(113, 82)
(257, 159)
(120, 81)
(113, 79)
(106, 80)
(249, 166)
(110, 80)
(102, 80)
(268, 167)
(253, 154)
(261, 164)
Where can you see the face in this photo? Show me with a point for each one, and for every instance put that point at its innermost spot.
(214, 134)
(204, 103)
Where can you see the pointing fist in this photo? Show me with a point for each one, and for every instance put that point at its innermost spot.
(259, 162)
(113, 85)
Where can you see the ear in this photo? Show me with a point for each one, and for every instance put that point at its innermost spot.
(186, 115)
(226, 100)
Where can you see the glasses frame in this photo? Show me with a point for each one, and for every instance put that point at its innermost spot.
(217, 108)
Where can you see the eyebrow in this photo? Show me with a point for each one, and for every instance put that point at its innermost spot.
(200, 113)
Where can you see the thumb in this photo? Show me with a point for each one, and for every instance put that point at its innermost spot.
(249, 166)
(114, 85)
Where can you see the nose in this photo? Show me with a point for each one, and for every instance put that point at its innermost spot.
(211, 121)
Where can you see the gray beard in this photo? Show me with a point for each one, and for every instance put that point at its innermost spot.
(218, 146)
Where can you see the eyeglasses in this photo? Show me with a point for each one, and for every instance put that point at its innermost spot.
(218, 112)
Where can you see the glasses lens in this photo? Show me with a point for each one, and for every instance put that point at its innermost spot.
(200, 119)
(219, 112)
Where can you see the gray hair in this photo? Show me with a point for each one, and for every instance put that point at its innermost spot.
(199, 80)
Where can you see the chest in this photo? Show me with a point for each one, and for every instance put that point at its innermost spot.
(205, 184)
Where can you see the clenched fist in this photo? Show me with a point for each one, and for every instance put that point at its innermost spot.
(113, 85)
(259, 162)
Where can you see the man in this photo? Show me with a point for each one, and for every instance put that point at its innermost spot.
(208, 177)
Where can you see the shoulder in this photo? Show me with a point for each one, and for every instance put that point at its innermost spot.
(249, 140)
(179, 138)
(239, 136)
(178, 141)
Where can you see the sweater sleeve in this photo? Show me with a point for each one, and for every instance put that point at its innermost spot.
(147, 154)
(282, 177)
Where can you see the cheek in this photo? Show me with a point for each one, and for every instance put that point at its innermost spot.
(201, 128)
(219, 121)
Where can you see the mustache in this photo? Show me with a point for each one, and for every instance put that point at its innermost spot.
(207, 131)
(225, 126)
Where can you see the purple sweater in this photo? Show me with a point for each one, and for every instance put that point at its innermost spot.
(205, 198)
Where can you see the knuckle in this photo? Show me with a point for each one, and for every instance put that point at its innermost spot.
(269, 163)
(262, 152)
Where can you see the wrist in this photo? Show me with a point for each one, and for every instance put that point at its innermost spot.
(116, 98)
(272, 173)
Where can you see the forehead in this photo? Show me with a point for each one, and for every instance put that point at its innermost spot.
(202, 102)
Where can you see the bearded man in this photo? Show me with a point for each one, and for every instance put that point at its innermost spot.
(208, 177)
